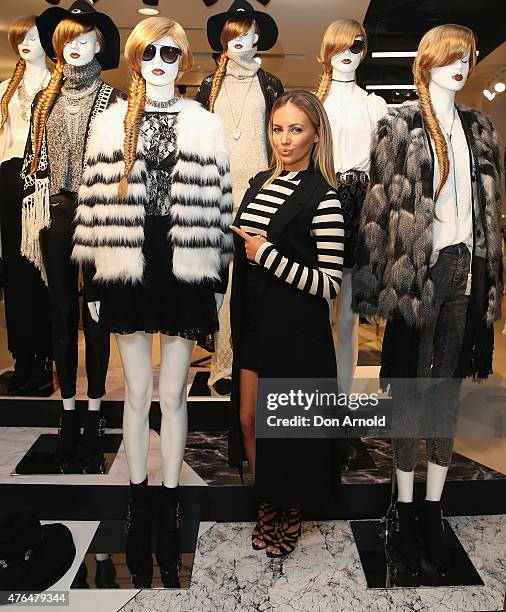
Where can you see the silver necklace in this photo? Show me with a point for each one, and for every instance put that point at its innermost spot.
(70, 98)
(162, 104)
(26, 100)
(236, 132)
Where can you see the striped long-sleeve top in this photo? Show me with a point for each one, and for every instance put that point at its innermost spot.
(327, 227)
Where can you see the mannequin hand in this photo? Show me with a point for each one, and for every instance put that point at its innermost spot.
(94, 308)
(218, 298)
(251, 243)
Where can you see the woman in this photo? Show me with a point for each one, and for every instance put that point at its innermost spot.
(288, 263)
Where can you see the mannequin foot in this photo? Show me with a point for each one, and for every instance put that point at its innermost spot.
(40, 380)
(223, 386)
(68, 441)
(405, 543)
(168, 547)
(138, 528)
(105, 577)
(90, 453)
(22, 369)
(435, 548)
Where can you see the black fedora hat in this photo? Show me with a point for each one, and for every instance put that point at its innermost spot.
(83, 12)
(241, 8)
(33, 557)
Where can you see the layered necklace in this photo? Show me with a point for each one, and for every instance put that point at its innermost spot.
(26, 100)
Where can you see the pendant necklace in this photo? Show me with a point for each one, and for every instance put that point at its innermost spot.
(25, 99)
(450, 147)
(236, 132)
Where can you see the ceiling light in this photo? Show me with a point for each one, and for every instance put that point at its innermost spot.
(499, 87)
(393, 54)
(390, 86)
(148, 11)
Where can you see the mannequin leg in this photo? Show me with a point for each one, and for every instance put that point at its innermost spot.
(436, 477)
(175, 357)
(347, 329)
(405, 483)
(135, 352)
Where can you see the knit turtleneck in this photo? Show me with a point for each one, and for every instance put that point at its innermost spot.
(242, 64)
(78, 78)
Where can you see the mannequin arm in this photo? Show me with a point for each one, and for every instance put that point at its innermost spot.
(94, 308)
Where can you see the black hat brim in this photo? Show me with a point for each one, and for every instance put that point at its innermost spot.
(46, 566)
(48, 21)
(268, 28)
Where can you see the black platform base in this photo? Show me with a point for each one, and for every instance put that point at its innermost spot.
(382, 572)
(39, 459)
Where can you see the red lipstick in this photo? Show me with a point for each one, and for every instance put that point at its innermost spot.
(25, 50)
(158, 72)
(457, 77)
(346, 61)
(75, 55)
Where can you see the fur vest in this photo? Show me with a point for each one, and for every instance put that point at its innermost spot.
(391, 277)
(110, 230)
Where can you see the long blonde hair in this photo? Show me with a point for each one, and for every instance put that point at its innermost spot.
(237, 26)
(338, 37)
(145, 32)
(440, 46)
(323, 151)
(65, 32)
(17, 33)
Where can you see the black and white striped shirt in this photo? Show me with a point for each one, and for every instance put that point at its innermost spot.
(327, 227)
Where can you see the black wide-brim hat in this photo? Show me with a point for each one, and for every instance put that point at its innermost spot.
(83, 12)
(33, 557)
(241, 8)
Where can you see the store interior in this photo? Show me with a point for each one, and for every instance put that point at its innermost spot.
(339, 563)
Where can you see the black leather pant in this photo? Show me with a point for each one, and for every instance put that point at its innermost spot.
(62, 276)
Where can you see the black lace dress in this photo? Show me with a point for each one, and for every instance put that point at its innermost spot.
(161, 303)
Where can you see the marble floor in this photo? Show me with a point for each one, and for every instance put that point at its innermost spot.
(324, 573)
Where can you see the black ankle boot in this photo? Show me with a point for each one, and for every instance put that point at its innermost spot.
(105, 576)
(435, 547)
(40, 381)
(90, 453)
(138, 527)
(168, 547)
(405, 543)
(22, 369)
(68, 441)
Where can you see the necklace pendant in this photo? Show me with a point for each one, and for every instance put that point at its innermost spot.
(236, 133)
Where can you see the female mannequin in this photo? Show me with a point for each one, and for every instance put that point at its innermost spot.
(242, 95)
(155, 225)
(438, 271)
(353, 115)
(83, 42)
(26, 297)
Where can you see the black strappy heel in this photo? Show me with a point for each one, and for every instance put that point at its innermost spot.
(266, 526)
(288, 534)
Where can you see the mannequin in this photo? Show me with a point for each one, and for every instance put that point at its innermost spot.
(242, 94)
(155, 227)
(353, 115)
(82, 42)
(26, 297)
(444, 271)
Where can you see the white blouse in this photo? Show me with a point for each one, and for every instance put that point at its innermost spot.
(353, 119)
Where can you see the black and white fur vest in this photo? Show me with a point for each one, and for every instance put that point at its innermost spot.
(110, 230)
(391, 276)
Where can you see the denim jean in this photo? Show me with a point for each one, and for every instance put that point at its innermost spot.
(439, 353)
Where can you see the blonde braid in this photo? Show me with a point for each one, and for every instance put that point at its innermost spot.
(219, 73)
(16, 78)
(324, 84)
(42, 109)
(132, 122)
(434, 129)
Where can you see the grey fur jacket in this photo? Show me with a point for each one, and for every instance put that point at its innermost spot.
(391, 276)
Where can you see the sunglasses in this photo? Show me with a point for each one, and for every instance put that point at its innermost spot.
(357, 46)
(168, 54)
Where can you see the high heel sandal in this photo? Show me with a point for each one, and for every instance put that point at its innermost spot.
(266, 526)
(288, 534)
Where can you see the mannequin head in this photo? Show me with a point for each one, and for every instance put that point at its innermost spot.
(340, 50)
(150, 39)
(24, 40)
(443, 53)
(298, 125)
(238, 34)
(69, 38)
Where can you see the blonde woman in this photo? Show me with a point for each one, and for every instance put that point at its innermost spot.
(429, 261)
(25, 296)
(82, 42)
(288, 262)
(153, 219)
(242, 94)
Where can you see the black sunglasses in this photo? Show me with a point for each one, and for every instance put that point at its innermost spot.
(357, 46)
(168, 54)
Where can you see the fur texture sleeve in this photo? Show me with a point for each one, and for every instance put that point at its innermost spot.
(373, 231)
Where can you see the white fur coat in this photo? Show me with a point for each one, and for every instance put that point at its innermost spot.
(110, 230)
